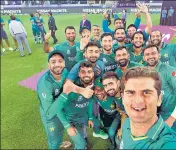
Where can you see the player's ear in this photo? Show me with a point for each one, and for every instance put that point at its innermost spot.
(159, 100)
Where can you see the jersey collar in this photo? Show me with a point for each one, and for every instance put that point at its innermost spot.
(158, 66)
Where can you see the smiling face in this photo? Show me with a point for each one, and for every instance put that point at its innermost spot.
(151, 56)
(92, 53)
(96, 31)
(156, 38)
(140, 99)
(56, 64)
(120, 35)
(111, 86)
(122, 57)
(70, 35)
(131, 31)
(86, 75)
(118, 24)
(138, 40)
(99, 93)
(107, 43)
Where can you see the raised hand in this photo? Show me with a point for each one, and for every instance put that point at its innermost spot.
(48, 36)
(84, 41)
(142, 8)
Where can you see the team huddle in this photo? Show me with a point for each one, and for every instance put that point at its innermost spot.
(120, 83)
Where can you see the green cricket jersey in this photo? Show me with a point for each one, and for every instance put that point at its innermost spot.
(159, 136)
(74, 108)
(131, 64)
(108, 60)
(168, 54)
(116, 45)
(69, 53)
(48, 89)
(137, 58)
(108, 105)
(168, 77)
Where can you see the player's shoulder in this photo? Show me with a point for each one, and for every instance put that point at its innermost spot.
(135, 64)
(44, 79)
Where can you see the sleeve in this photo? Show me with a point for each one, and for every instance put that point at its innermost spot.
(10, 29)
(73, 74)
(172, 78)
(79, 56)
(105, 26)
(137, 22)
(46, 98)
(169, 145)
(146, 36)
(116, 16)
(62, 99)
(90, 109)
(56, 47)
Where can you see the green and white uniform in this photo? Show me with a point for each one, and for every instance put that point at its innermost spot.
(48, 89)
(159, 136)
(168, 54)
(75, 110)
(131, 64)
(168, 77)
(69, 53)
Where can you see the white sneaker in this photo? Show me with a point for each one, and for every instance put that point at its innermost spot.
(11, 49)
(101, 135)
(3, 50)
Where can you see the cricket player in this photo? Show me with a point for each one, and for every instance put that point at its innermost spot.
(111, 83)
(4, 37)
(35, 29)
(168, 78)
(73, 108)
(39, 22)
(167, 51)
(122, 58)
(68, 48)
(144, 129)
(49, 88)
(107, 57)
(92, 54)
(135, 48)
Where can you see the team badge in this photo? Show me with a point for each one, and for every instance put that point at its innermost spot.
(80, 98)
(174, 73)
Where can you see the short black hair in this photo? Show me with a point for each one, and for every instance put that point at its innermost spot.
(131, 25)
(120, 48)
(32, 15)
(120, 28)
(106, 34)
(138, 32)
(150, 46)
(69, 27)
(95, 25)
(109, 74)
(86, 64)
(91, 44)
(118, 19)
(12, 17)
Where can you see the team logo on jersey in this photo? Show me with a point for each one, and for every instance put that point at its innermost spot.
(56, 91)
(104, 60)
(112, 106)
(166, 55)
(44, 95)
(51, 129)
(68, 52)
(80, 98)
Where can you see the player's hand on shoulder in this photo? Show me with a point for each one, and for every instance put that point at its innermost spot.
(87, 92)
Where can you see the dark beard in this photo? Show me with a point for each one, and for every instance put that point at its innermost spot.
(123, 64)
(137, 46)
(120, 40)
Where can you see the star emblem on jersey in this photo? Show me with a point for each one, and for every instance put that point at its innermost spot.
(141, 62)
(166, 55)
(51, 129)
(112, 106)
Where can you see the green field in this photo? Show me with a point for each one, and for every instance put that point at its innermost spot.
(21, 126)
